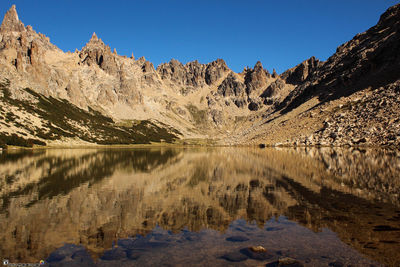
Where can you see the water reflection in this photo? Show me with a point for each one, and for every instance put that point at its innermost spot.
(89, 203)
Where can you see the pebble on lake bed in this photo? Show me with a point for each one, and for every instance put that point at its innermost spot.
(258, 249)
(289, 261)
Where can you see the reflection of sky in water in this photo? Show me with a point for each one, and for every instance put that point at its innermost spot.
(334, 199)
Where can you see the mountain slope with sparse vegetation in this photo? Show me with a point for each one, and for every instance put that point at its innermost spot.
(39, 120)
(95, 96)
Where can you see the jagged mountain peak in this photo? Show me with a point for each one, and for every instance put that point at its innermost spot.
(132, 89)
(95, 52)
(95, 42)
(256, 78)
(194, 62)
(27, 47)
(94, 38)
(258, 66)
(11, 21)
(175, 62)
(12, 13)
(300, 72)
(219, 62)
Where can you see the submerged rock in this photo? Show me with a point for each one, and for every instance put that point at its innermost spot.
(237, 238)
(289, 262)
(257, 253)
(234, 257)
(115, 254)
(282, 262)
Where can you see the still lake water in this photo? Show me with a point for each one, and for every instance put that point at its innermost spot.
(200, 206)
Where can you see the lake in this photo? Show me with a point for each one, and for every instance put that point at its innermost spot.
(200, 206)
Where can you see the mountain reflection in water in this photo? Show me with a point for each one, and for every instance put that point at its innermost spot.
(200, 206)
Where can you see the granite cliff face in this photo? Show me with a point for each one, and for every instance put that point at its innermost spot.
(197, 100)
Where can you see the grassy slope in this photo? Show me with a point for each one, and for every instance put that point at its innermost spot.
(65, 120)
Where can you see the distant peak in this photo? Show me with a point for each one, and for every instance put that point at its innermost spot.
(219, 62)
(13, 12)
(95, 42)
(94, 37)
(174, 62)
(11, 21)
(258, 66)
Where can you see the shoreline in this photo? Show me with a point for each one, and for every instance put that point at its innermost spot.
(175, 145)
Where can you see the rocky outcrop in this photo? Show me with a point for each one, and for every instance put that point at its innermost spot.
(233, 88)
(215, 70)
(274, 74)
(21, 45)
(11, 23)
(196, 73)
(299, 74)
(273, 89)
(191, 74)
(254, 104)
(256, 78)
(147, 67)
(95, 52)
(173, 71)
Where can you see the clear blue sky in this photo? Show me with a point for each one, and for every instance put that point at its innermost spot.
(280, 33)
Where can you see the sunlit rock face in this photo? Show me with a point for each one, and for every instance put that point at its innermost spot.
(193, 74)
(203, 100)
(95, 197)
(97, 78)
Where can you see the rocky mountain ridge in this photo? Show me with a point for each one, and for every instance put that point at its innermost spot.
(370, 59)
(201, 101)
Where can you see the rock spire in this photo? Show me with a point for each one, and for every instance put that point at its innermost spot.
(11, 21)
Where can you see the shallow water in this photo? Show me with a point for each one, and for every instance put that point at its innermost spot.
(200, 206)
